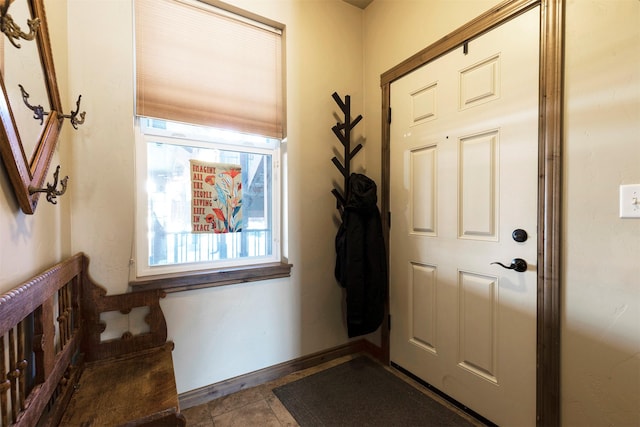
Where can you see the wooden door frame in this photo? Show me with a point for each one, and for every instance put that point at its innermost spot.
(550, 129)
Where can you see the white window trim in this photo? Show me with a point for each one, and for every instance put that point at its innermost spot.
(142, 267)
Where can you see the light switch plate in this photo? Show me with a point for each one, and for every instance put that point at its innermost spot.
(630, 201)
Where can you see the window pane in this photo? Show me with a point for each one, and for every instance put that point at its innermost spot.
(169, 206)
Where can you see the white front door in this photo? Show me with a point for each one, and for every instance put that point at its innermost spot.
(464, 162)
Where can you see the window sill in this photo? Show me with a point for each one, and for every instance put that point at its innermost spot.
(211, 278)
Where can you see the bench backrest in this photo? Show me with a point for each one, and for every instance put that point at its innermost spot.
(49, 326)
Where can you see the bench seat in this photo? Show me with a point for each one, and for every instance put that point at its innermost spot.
(109, 391)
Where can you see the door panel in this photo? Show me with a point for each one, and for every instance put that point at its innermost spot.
(423, 190)
(478, 327)
(463, 160)
(423, 296)
(478, 178)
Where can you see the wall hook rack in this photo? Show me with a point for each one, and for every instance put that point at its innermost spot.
(343, 132)
(51, 190)
(12, 30)
(73, 117)
(38, 110)
(39, 113)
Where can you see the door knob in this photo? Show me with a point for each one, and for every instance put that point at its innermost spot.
(518, 264)
(519, 235)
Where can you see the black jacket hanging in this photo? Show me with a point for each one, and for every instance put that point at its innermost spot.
(361, 264)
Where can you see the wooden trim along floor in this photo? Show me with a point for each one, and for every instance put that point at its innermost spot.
(233, 385)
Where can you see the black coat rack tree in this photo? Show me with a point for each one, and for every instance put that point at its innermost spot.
(343, 132)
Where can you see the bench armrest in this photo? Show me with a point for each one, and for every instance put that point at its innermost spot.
(95, 301)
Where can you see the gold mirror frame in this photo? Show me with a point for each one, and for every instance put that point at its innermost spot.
(27, 174)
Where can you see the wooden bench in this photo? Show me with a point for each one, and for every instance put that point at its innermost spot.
(56, 370)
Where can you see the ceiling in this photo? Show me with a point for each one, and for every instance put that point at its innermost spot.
(359, 3)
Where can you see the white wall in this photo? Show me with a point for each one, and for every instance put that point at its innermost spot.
(601, 253)
(222, 332)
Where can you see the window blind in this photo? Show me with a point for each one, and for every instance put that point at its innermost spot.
(197, 64)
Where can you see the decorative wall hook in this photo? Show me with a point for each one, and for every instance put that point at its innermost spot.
(12, 30)
(38, 110)
(73, 117)
(39, 113)
(343, 132)
(51, 191)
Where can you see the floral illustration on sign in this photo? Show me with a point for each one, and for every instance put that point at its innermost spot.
(216, 199)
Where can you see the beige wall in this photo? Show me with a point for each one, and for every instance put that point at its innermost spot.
(223, 332)
(601, 299)
(601, 252)
(30, 244)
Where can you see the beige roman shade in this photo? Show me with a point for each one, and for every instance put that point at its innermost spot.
(197, 64)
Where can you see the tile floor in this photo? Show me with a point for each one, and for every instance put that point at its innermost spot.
(258, 406)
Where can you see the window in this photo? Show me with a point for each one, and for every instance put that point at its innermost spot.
(208, 89)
